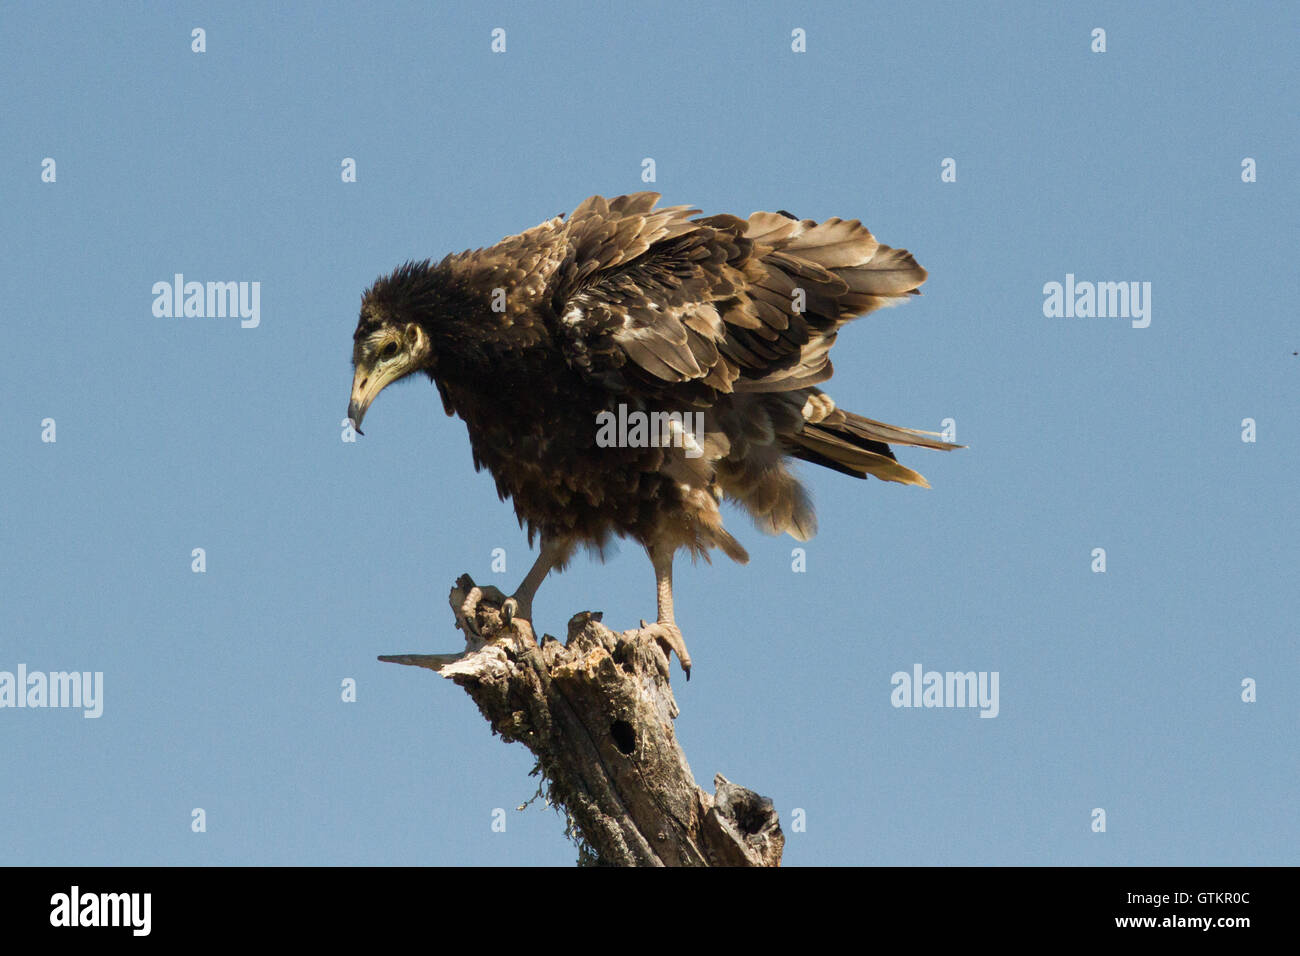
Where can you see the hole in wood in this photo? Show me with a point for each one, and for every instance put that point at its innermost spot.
(624, 736)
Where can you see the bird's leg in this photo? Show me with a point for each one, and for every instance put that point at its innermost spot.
(520, 604)
(665, 629)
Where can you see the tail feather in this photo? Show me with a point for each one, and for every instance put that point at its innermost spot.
(858, 446)
(852, 455)
(894, 434)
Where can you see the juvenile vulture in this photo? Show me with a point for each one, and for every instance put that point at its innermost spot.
(623, 371)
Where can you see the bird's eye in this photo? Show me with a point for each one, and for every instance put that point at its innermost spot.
(388, 351)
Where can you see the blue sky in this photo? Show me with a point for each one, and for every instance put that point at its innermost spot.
(1119, 690)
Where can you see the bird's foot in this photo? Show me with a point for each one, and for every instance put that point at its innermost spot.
(493, 595)
(466, 597)
(512, 607)
(670, 638)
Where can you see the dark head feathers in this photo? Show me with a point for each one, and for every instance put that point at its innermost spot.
(408, 288)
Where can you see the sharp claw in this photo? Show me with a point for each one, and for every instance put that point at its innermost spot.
(671, 637)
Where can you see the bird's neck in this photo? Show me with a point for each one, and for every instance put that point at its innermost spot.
(470, 334)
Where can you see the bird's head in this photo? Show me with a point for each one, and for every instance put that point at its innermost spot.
(390, 341)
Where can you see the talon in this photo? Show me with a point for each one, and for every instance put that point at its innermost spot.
(670, 638)
(492, 594)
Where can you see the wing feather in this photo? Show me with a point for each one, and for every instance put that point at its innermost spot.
(665, 299)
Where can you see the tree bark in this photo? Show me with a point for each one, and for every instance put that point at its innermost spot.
(597, 712)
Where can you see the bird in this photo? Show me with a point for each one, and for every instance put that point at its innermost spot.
(708, 334)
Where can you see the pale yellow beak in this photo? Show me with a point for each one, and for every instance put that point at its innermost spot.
(366, 384)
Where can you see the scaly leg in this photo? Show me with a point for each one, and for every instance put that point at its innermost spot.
(665, 630)
(520, 604)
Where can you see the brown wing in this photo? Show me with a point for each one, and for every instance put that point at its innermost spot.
(694, 307)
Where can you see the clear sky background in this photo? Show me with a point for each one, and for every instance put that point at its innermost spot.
(1120, 690)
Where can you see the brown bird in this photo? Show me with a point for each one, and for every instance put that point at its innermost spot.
(623, 372)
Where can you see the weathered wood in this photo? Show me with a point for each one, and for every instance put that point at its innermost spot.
(598, 712)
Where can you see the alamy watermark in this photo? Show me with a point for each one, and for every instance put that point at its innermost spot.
(82, 689)
(129, 910)
(922, 688)
(1102, 300)
(638, 429)
(213, 300)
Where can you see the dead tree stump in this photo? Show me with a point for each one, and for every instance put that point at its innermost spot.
(597, 712)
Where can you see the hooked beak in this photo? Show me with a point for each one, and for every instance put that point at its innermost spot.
(355, 414)
(366, 384)
(373, 374)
